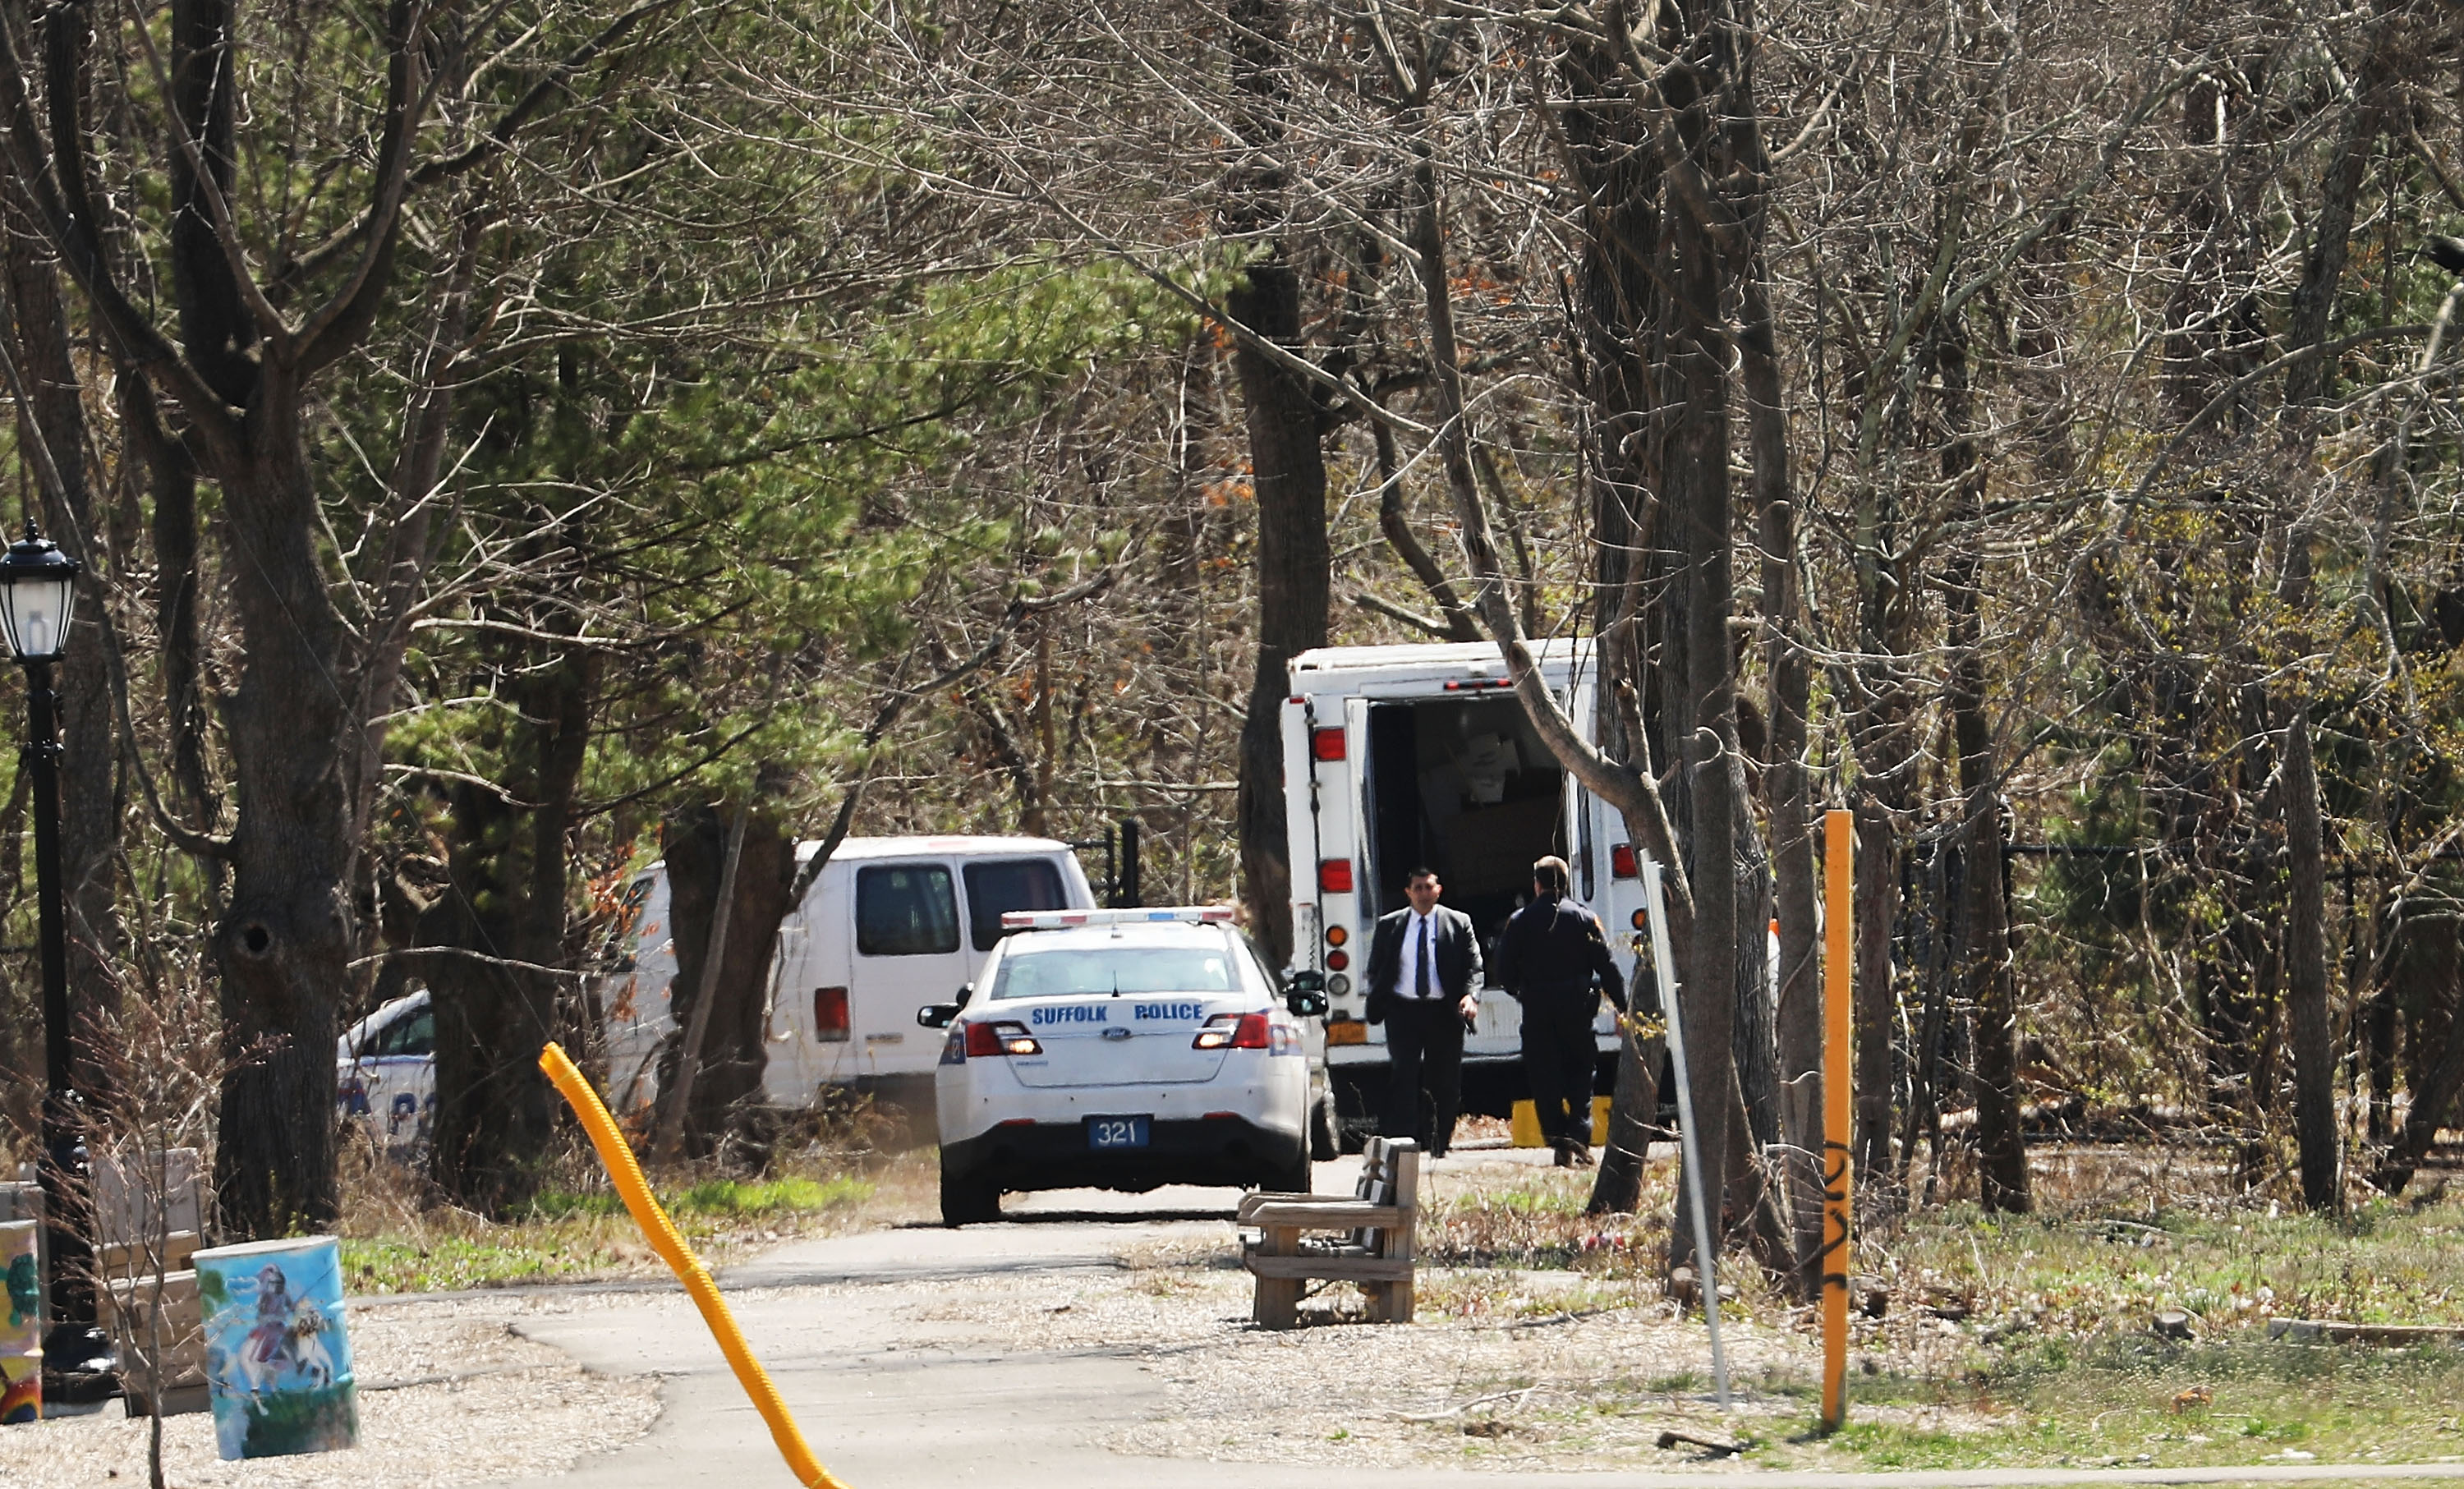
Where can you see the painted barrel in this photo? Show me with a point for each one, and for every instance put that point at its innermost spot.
(277, 1352)
(21, 1342)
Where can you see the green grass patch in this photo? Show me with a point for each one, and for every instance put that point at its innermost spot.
(450, 1263)
(568, 1233)
(725, 1198)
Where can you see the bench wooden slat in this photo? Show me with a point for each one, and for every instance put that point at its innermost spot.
(1332, 1269)
(1326, 1214)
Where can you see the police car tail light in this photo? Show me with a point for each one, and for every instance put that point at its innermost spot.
(1233, 1031)
(987, 1040)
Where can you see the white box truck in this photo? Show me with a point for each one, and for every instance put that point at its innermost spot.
(1400, 757)
(891, 924)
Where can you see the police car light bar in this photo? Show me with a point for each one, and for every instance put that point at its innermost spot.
(1056, 920)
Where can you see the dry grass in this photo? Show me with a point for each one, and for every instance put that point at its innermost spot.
(399, 1236)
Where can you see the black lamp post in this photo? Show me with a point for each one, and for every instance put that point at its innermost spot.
(38, 594)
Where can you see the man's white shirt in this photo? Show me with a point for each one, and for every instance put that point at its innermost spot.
(1408, 970)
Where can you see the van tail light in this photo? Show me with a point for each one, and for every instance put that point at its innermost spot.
(1621, 862)
(831, 1015)
(1234, 1031)
(1325, 744)
(987, 1040)
(1334, 876)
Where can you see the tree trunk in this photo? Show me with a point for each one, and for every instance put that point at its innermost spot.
(732, 1052)
(2305, 970)
(1985, 943)
(1695, 474)
(2436, 1079)
(1879, 1186)
(171, 479)
(285, 941)
(1288, 473)
(1888, 757)
(1788, 786)
(507, 901)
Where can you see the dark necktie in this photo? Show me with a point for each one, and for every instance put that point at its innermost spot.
(1421, 973)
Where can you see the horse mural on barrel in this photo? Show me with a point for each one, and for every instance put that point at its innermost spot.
(277, 1355)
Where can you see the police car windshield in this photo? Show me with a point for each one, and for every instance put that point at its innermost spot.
(1115, 968)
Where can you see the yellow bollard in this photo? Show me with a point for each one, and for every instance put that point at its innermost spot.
(661, 1232)
(1837, 843)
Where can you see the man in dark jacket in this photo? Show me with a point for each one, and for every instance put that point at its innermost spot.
(1423, 984)
(1550, 956)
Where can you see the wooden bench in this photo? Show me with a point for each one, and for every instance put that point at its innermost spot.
(1376, 1253)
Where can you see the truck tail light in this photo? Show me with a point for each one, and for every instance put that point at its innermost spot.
(1621, 862)
(1334, 876)
(1336, 936)
(1234, 1031)
(1325, 744)
(831, 1015)
(987, 1040)
(1336, 961)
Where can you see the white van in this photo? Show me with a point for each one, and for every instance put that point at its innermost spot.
(1400, 757)
(891, 924)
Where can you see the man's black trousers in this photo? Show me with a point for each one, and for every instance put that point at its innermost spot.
(1425, 1045)
(1559, 1055)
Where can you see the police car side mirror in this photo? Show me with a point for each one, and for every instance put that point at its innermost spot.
(1305, 1003)
(936, 1016)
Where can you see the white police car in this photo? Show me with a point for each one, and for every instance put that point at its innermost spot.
(1126, 1050)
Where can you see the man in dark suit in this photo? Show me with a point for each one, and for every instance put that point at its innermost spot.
(1423, 984)
(1552, 955)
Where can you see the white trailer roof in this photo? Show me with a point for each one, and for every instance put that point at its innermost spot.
(1317, 671)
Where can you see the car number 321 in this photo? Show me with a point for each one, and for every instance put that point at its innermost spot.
(1116, 1131)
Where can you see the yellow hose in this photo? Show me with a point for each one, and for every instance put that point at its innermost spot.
(617, 1156)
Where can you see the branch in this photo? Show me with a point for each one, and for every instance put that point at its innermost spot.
(2232, 390)
(201, 845)
(135, 342)
(896, 703)
(494, 144)
(269, 320)
(344, 316)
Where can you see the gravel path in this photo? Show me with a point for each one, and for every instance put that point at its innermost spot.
(486, 1406)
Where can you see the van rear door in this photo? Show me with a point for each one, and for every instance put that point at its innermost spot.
(998, 885)
(911, 949)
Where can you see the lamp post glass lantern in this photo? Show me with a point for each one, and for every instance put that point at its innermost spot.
(37, 598)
